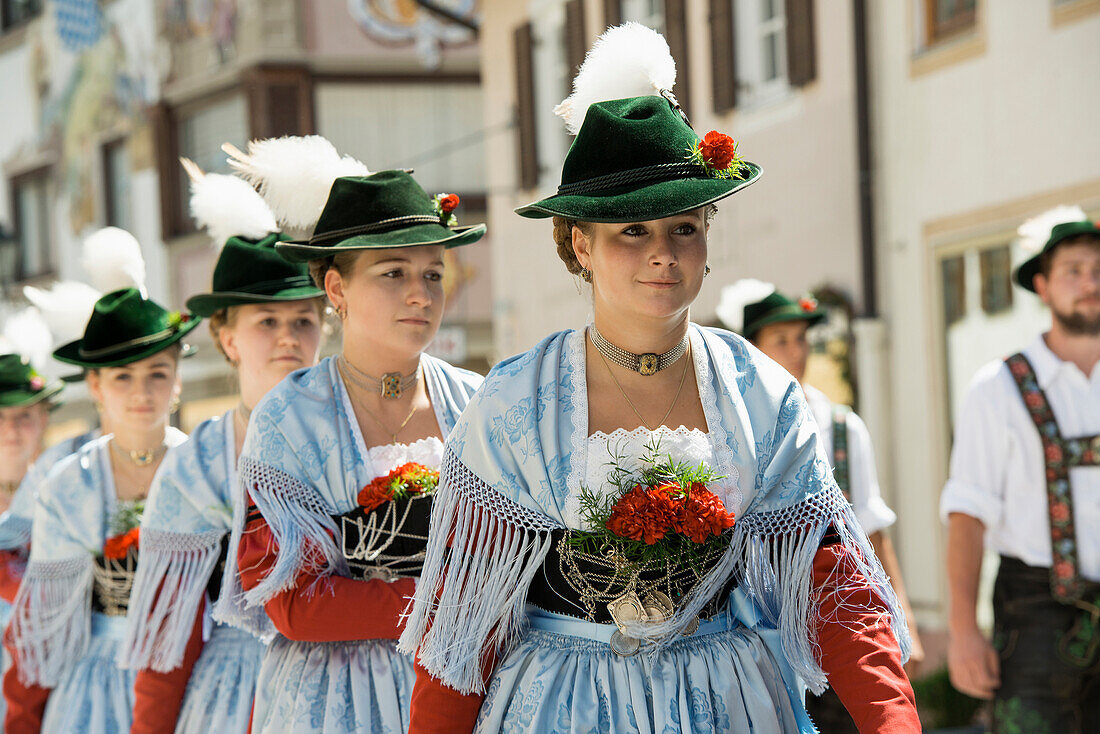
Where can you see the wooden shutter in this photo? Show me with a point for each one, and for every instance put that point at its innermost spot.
(801, 57)
(677, 37)
(612, 12)
(575, 41)
(280, 101)
(166, 153)
(723, 57)
(526, 136)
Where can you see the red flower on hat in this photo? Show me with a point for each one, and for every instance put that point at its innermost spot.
(448, 202)
(807, 304)
(37, 383)
(718, 150)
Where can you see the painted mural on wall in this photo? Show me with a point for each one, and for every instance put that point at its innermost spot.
(183, 20)
(408, 22)
(93, 77)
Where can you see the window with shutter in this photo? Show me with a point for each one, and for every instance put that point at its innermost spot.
(723, 58)
(30, 201)
(526, 134)
(947, 18)
(761, 51)
(576, 42)
(801, 61)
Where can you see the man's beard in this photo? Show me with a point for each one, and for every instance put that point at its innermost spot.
(1078, 324)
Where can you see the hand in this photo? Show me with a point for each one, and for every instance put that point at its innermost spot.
(973, 664)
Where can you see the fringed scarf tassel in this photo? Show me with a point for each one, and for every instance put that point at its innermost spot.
(483, 552)
(777, 549)
(51, 618)
(169, 586)
(301, 524)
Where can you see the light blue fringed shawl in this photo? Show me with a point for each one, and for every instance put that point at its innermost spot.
(302, 464)
(519, 450)
(16, 522)
(51, 620)
(190, 511)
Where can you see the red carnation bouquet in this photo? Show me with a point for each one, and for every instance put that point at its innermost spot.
(404, 481)
(664, 510)
(125, 528)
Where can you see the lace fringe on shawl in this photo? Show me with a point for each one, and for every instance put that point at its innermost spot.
(470, 598)
(50, 622)
(304, 530)
(776, 551)
(170, 584)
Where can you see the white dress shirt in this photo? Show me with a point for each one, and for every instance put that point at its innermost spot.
(998, 474)
(866, 497)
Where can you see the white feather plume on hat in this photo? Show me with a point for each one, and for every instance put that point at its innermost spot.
(227, 206)
(628, 60)
(731, 306)
(1035, 232)
(66, 307)
(294, 175)
(113, 259)
(27, 333)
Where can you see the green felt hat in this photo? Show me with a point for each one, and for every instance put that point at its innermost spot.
(125, 327)
(250, 271)
(384, 209)
(778, 308)
(637, 159)
(20, 384)
(1031, 267)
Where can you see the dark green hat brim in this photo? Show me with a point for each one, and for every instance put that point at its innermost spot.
(415, 236)
(18, 398)
(207, 304)
(633, 204)
(784, 315)
(1025, 274)
(70, 353)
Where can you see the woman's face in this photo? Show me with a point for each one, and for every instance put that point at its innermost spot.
(268, 341)
(645, 269)
(137, 396)
(786, 343)
(21, 431)
(393, 298)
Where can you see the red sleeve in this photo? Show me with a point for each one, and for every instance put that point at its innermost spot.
(158, 697)
(322, 609)
(25, 704)
(859, 652)
(12, 565)
(440, 709)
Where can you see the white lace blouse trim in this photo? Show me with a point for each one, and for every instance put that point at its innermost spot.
(427, 451)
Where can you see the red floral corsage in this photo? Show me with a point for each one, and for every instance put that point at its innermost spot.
(405, 480)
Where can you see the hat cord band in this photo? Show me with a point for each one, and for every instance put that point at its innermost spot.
(383, 225)
(129, 343)
(293, 281)
(657, 172)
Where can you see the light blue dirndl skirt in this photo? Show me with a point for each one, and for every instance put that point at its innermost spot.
(94, 695)
(359, 687)
(563, 678)
(222, 685)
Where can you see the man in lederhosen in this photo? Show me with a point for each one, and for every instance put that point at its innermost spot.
(1025, 478)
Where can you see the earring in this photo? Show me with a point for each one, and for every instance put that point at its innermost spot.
(98, 406)
(706, 270)
(174, 407)
(586, 275)
(342, 312)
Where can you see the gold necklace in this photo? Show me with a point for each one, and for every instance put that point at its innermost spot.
(139, 457)
(683, 378)
(393, 434)
(392, 385)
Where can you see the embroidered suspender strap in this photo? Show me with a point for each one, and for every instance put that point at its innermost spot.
(1060, 454)
(841, 471)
